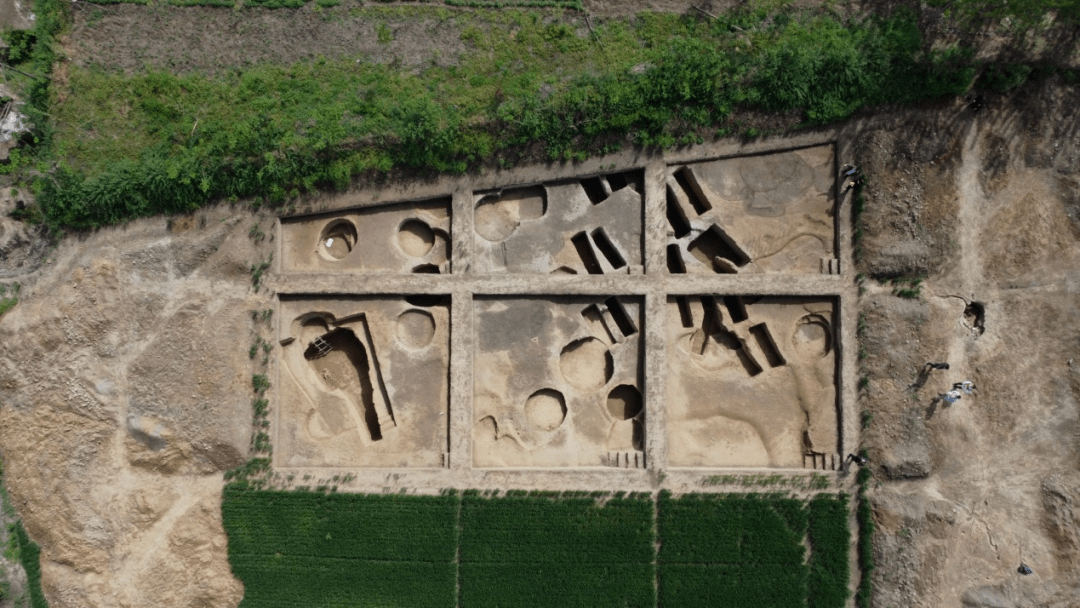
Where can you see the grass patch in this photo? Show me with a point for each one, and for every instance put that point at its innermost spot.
(739, 548)
(533, 550)
(536, 549)
(538, 85)
(907, 287)
(830, 537)
(8, 302)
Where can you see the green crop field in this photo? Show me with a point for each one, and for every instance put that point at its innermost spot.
(533, 549)
(309, 549)
(719, 550)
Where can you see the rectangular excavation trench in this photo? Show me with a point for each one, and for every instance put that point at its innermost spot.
(608, 239)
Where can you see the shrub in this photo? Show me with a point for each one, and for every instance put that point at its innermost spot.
(1005, 78)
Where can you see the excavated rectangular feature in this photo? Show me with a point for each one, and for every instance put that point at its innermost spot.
(557, 382)
(363, 382)
(756, 390)
(640, 327)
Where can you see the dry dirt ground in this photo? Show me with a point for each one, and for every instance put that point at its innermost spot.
(987, 207)
(137, 397)
(208, 40)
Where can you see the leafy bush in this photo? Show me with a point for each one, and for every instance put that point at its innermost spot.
(1006, 77)
(20, 45)
(260, 383)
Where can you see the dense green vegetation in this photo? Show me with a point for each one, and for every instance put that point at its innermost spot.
(730, 550)
(536, 550)
(531, 549)
(865, 516)
(537, 84)
(311, 549)
(830, 543)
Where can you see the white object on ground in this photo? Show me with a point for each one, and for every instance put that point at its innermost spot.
(12, 124)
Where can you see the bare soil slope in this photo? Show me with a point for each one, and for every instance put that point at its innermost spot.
(126, 391)
(985, 205)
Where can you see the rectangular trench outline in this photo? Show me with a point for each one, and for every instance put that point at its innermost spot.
(653, 215)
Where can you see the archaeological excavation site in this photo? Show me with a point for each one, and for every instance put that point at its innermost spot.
(557, 329)
(539, 303)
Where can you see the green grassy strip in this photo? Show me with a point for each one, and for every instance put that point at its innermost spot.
(830, 539)
(129, 146)
(734, 549)
(371, 527)
(302, 548)
(30, 557)
(865, 516)
(537, 549)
